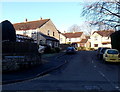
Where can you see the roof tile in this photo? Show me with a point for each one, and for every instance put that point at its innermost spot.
(105, 33)
(73, 35)
(30, 24)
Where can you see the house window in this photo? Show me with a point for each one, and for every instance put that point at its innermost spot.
(96, 38)
(53, 33)
(48, 32)
(69, 39)
(95, 45)
(24, 32)
(104, 43)
(61, 39)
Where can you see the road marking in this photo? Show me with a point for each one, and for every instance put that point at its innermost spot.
(102, 74)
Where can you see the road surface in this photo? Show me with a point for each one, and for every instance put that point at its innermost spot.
(83, 71)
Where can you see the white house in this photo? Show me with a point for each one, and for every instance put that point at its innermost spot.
(35, 29)
(101, 39)
(77, 38)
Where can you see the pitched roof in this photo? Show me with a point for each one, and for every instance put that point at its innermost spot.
(30, 24)
(83, 40)
(106, 42)
(104, 33)
(73, 35)
(23, 36)
(48, 37)
(88, 37)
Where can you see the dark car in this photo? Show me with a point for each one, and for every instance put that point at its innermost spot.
(101, 52)
(98, 50)
(70, 50)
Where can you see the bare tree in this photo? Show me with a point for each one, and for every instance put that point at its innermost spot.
(74, 28)
(86, 28)
(104, 14)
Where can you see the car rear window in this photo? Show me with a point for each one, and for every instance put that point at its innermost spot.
(112, 52)
(70, 48)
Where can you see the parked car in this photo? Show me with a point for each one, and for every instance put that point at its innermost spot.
(101, 52)
(111, 55)
(70, 50)
(98, 50)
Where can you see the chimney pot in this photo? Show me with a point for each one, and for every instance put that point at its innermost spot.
(26, 20)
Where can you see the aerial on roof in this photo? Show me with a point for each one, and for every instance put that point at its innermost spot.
(104, 33)
(73, 35)
(30, 24)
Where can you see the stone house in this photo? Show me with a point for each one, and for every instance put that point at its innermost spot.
(34, 29)
(101, 39)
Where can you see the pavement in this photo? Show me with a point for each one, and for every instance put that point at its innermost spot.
(50, 64)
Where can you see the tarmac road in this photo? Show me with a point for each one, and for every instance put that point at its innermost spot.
(82, 72)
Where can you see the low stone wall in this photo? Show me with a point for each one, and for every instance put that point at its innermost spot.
(14, 63)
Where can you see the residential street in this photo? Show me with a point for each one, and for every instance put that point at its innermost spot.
(83, 71)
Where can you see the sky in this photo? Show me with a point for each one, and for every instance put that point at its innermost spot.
(62, 14)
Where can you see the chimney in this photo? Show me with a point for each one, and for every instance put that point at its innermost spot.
(26, 20)
(41, 18)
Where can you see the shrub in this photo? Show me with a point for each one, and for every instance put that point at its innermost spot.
(53, 50)
(83, 48)
(91, 49)
(57, 49)
(47, 49)
(78, 48)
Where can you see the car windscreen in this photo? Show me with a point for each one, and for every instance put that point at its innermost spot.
(104, 49)
(112, 52)
(70, 48)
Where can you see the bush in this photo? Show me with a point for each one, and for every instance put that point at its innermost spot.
(53, 50)
(57, 49)
(78, 48)
(83, 48)
(91, 49)
(47, 49)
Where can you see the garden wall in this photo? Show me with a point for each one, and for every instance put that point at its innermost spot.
(19, 55)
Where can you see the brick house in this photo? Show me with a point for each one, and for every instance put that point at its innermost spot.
(35, 29)
(101, 38)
